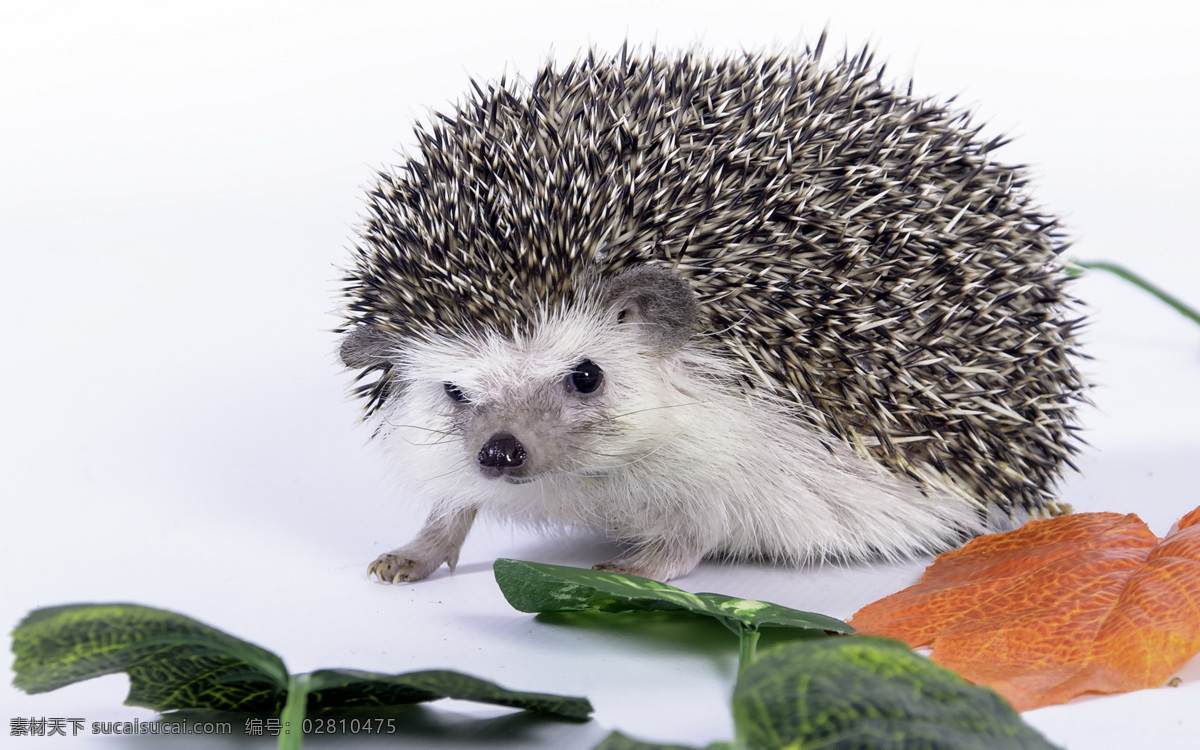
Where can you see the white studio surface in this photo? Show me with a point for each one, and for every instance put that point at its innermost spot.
(179, 187)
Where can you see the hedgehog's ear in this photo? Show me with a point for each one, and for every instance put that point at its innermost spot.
(367, 346)
(661, 302)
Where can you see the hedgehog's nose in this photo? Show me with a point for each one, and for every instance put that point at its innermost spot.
(502, 451)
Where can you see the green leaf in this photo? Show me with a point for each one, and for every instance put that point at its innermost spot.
(536, 587)
(175, 662)
(346, 688)
(872, 693)
(172, 661)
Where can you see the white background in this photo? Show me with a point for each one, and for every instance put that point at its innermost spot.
(179, 187)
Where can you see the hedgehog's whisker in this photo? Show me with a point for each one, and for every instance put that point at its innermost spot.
(615, 417)
(444, 436)
(418, 427)
(634, 458)
(459, 466)
(443, 440)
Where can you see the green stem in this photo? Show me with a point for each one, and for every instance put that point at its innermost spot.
(291, 733)
(748, 647)
(1133, 278)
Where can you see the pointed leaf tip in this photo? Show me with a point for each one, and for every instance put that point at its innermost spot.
(346, 688)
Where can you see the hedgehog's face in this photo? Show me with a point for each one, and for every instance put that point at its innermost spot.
(554, 417)
(515, 409)
(556, 400)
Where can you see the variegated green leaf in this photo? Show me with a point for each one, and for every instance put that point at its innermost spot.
(172, 661)
(868, 693)
(176, 662)
(537, 587)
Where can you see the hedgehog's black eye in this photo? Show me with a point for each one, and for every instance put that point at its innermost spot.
(455, 393)
(586, 377)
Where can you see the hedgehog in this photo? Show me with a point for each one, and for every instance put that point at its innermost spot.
(755, 307)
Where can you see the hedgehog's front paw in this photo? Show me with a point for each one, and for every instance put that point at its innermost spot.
(438, 542)
(397, 567)
(655, 562)
(624, 567)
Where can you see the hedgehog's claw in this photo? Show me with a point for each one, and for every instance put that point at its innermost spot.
(439, 541)
(396, 567)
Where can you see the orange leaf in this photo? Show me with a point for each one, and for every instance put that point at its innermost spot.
(1092, 602)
